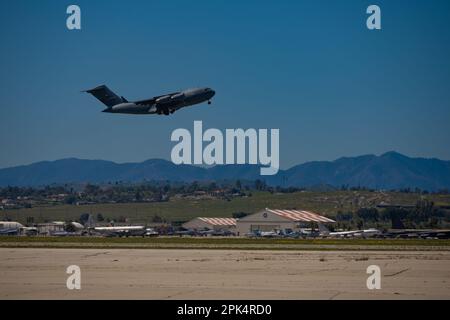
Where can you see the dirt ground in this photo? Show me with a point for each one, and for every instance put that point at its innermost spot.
(222, 274)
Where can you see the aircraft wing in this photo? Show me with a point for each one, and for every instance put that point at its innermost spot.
(152, 100)
(344, 233)
(146, 102)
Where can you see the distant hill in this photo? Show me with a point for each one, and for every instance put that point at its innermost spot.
(388, 171)
(391, 170)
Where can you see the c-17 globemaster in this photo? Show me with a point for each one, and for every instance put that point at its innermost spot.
(164, 104)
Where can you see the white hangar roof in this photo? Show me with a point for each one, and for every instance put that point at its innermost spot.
(274, 215)
(300, 215)
(219, 221)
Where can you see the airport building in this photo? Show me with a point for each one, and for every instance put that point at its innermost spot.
(279, 220)
(216, 224)
(50, 228)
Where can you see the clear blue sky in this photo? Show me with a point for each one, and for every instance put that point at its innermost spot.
(310, 68)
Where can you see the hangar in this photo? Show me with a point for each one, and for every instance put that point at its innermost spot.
(215, 224)
(273, 219)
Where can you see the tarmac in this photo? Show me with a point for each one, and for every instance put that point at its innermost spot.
(33, 273)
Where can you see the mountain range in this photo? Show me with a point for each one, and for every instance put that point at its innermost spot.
(391, 170)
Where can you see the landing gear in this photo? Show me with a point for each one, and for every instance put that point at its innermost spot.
(164, 111)
(209, 102)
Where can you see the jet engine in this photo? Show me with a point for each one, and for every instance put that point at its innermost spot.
(177, 97)
(173, 98)
(163, 99)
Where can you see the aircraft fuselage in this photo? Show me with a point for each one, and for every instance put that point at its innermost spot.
(165, 104)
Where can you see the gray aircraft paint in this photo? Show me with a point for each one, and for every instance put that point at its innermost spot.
(164, 104)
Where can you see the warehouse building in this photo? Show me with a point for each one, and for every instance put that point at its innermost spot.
(279, 220)
(50, 228)
(216, 224)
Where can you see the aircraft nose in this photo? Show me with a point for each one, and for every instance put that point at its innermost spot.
(213, 93)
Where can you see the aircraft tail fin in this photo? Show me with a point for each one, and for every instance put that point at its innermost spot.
(105, 95)
(90, 222)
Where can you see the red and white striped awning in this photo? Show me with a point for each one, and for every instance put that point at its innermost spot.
(300, 215)
(220, 221)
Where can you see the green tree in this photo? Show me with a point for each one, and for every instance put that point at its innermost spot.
(368, 214)
(396, 215)
(238, 215)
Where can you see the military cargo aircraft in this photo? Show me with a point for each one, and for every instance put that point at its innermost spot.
(163, 104)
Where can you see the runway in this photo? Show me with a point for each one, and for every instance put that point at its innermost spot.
(222, 274)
